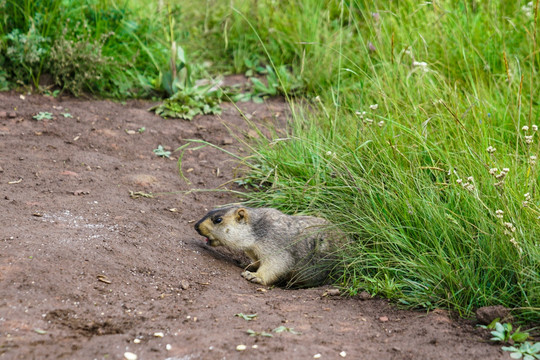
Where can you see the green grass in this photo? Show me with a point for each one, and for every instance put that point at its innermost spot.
(109, 48)
(450, 80)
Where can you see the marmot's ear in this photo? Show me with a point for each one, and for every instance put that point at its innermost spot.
(241, 215)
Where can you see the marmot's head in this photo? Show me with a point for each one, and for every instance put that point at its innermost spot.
(228, 227)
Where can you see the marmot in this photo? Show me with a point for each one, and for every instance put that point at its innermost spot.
(284, 249)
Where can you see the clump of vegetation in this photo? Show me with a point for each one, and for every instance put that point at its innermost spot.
(527, 351)
(503, 332)
(191, 101)
(25, 53)
(43, 115)
(107, 48)
(161, 152)
(78, 65)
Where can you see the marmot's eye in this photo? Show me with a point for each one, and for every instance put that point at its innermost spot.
(217, 220)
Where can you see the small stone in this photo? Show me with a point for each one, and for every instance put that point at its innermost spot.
(343, 354)
(12, 114)
(130, 356)
(168, 347)
(485, 315)
(159, 334)
(331, 292)
(383, 319)
(3, 114)
(241, 347)
(137, 341)
(131, 132)
(364, 295)
(253, 134)
(184, 284)
(317, 356)
(255, 346)
(226, 141)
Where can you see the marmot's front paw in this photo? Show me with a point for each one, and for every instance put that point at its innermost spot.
(252, 277)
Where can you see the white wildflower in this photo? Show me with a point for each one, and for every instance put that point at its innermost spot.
(535, 127)
(374, 106)
(525, 128)
(510, 226)
(527, 196)
(499, 214)
(459, 181)
(516, 245)
(421, 64)
(493, 171)
(532, 160)
(470, 178)
(528, 139)
(368, 121)
(501, 175)
(381, 123)
(528, 9)
(491, 149)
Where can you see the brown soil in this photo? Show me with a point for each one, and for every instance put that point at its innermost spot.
(85, 269)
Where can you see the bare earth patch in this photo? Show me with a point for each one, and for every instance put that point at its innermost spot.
(85, 269)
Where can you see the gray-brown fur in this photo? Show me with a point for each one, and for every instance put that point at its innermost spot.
(283, 248)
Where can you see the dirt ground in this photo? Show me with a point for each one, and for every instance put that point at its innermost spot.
(88, 272)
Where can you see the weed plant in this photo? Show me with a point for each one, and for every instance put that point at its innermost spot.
(106, 47)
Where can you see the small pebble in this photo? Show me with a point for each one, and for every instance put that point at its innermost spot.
(184, 284)
(317, 356)
(130, 356)
(159, 334)
(137, 341)
(343, 354)
(168, 347)
(241, 347)
(364, 295)
(383, 318)
(332, 292)
(255, 346)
